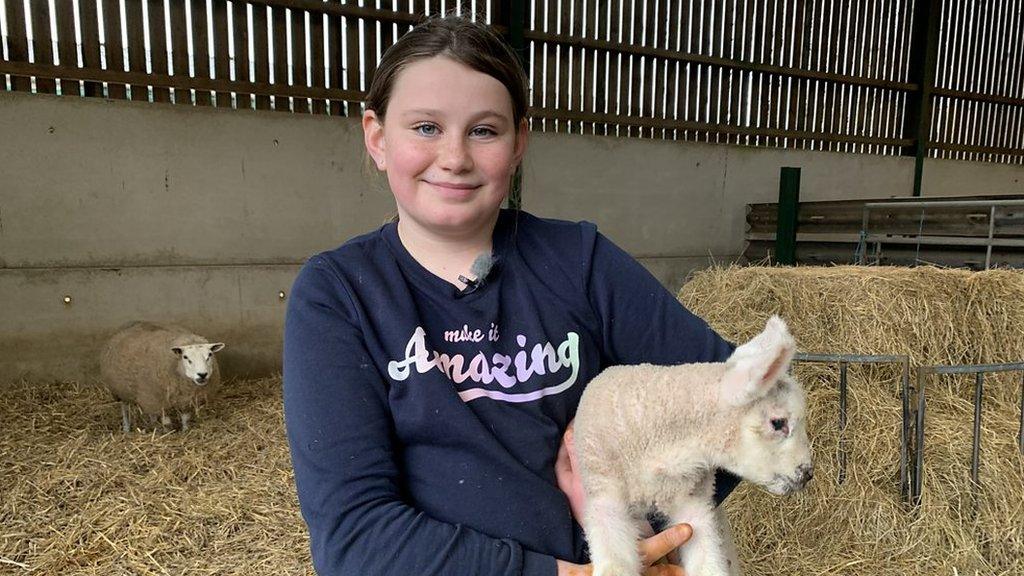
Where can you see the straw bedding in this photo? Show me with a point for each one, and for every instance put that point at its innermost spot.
(79, 497)
(862, 527)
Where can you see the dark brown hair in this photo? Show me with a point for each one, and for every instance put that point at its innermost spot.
(473, 44)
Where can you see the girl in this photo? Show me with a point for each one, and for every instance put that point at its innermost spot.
(432, 366)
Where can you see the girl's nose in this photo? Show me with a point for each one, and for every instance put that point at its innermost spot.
(454, 156)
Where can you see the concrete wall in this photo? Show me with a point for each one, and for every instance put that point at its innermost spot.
(203, 216)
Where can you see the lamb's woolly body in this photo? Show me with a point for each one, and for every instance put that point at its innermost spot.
(138, 367)
(625, 429)
(652, 437)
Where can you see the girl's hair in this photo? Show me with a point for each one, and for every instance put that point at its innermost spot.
(473, 44)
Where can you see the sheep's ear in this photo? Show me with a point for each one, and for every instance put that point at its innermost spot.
(755, 367)
(177, 350)
(216, 347)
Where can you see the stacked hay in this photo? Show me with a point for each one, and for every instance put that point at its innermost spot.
(862, 526)
(79, 497)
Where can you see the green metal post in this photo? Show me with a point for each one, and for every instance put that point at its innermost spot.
(789, 204)
(924, 49)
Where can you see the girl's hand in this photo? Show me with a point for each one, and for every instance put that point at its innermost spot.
(567, 476)
(651, 550)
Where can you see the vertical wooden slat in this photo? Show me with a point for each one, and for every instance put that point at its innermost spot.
(583, 18)
(370, 55)
(317, 61)
(387, 29)
(89, 18)
(240, 34)
(279, 23)
(706, 104)
(549, 78)
(672, 42)
(221, 49)
(779, 59)
(41, 44)
(656, 68)
(353, 47)
(180, 56)
(135, 25)
(765, 83)
(158, 46)
(586, 26)
(261, 53)
(661, 86)
(750, 78)
(201, 49)
(857, 61)
(735, 41)
(67, 46)
(875, 95)
(17, 43)
(335, 61)
(802, 59)
(113, 46)
(613, 32)
(564, 20)
(721, 86)
(835, 105)
(298, 65)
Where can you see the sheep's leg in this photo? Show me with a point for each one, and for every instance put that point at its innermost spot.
(612, 534)
(703, 554)
(165, 420)
(126, 418)
(185, 416)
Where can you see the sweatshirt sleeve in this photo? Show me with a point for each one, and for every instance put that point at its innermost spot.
(642, 322)
(342, 445)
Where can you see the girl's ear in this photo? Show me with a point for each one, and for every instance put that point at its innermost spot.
(522, 133)
(373, 138)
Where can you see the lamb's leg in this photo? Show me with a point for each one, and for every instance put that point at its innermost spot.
(611, 533)
(703, 554)
(165, 420)
(185, 416)
(126, 418)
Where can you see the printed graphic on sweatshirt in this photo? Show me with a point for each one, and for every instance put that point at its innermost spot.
(507, 371)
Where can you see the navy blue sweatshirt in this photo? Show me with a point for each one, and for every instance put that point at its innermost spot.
(424, 421)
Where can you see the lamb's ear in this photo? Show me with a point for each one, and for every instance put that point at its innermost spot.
(216, 347)
(177, 350)
(756, 366)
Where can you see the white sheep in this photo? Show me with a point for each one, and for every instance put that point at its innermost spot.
(651, 437)
(163, 369)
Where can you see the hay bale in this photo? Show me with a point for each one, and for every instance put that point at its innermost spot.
(936, 317)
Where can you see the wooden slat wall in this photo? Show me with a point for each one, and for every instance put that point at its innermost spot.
(981, 51)
(809, 74)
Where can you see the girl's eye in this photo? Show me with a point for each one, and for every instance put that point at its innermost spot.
(426, 129)
(483, 131)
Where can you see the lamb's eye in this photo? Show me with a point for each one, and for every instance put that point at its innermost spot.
(779, 424)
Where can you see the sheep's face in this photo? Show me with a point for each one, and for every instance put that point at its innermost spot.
(195, 361)
(772, 448)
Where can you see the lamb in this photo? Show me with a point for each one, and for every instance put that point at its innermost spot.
(160, 368)
(651, 437)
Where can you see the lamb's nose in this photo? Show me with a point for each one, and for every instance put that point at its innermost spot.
(805, 473)
(201, 376)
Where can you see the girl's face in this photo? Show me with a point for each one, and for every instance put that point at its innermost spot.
(449, 145)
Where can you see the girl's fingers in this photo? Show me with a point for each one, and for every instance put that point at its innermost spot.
(664, 542)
